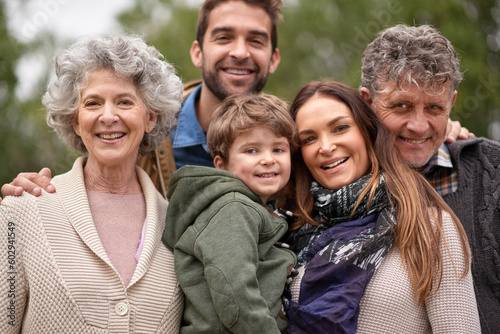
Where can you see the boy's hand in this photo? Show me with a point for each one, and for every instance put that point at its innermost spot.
(456, 131)
(30, 182)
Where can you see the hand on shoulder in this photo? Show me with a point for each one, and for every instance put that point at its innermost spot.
(456, 131)
(30, 182)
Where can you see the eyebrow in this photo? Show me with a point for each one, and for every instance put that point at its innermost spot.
(261, 33)
(97, 95)
(119, 96)
(333, 121)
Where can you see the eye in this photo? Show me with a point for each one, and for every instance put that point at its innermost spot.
(279, 150)
(438, 110)
(401, 107)
(257, 41)
(341, 128)
(250, 150)
(126, 102)
(222, 38)
(91, 103)
(306, 140)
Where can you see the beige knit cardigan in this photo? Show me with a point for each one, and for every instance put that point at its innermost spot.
(57, 278)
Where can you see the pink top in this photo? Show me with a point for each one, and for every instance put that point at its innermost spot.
(120, 221)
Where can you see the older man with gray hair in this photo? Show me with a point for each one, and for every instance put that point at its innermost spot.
(410, 77)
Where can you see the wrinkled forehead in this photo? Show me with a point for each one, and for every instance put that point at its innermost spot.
(406, 86)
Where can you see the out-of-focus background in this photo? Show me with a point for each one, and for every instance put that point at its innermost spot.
(317, 39)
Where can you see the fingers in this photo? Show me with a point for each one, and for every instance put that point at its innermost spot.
(456, 131)
(10, 190)
(453, 131)
(465, 133)
(32, 183)
(45, 172)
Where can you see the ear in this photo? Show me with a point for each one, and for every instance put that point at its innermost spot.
(196, 54)
(453, 98)
(367, 96)
(153, 117)
(218, 163)
(76, 124)
(275, 61)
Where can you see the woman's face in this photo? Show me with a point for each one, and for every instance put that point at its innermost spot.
(331, 143)
(112, 119)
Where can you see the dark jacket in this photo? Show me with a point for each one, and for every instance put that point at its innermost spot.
(477, 204)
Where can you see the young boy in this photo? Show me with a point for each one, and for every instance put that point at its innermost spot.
(220, 225)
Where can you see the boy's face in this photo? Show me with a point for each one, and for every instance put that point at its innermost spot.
(260, 159)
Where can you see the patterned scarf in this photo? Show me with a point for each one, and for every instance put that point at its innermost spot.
(342, 260)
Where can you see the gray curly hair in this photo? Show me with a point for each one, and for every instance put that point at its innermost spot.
(410, 55)
(129, 57)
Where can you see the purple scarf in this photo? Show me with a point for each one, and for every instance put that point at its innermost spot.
(340, 257)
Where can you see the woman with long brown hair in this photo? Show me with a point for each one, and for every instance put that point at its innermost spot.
(378, 249)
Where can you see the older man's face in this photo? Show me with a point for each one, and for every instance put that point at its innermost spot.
(417, 118)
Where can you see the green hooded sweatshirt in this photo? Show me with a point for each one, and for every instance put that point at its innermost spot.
(223, 240)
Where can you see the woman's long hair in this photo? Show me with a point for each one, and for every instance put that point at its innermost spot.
(418, 207)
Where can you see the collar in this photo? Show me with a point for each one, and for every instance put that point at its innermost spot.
(441, 159)
(188, 131)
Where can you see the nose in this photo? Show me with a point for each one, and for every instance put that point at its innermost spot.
(239, 49)
(418, 122)
(267, 159)
(327, 147)
(108, 115)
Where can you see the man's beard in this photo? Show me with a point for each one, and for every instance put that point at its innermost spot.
(420, 165)
(218, 88)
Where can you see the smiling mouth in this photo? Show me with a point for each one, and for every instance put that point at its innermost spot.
(110, 136)
(237, 71)
(267, 175)
(335, 164)
(413, 141)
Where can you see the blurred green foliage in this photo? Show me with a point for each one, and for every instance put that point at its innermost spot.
(326, 38)
(317, 39)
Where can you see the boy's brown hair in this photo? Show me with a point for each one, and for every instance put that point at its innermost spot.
(239, 113)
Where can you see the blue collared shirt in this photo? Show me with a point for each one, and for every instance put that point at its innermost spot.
(189, 141)
(440, 172)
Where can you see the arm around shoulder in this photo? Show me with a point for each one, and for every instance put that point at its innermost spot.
(32, 183)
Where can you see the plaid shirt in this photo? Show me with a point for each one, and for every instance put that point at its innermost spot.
(440, 172)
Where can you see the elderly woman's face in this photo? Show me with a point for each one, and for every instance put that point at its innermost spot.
(112, 119)
(332, 146)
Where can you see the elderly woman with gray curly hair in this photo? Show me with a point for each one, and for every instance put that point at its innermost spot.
(89, 257)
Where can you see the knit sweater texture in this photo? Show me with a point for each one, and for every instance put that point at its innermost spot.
(477, 204)
(57, 278)
(223, 238)
(390, 304)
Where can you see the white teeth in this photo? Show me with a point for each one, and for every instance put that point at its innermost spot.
(336, 163)
(111, 136)
(267, 175)
(414, 141)
(237, 72)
